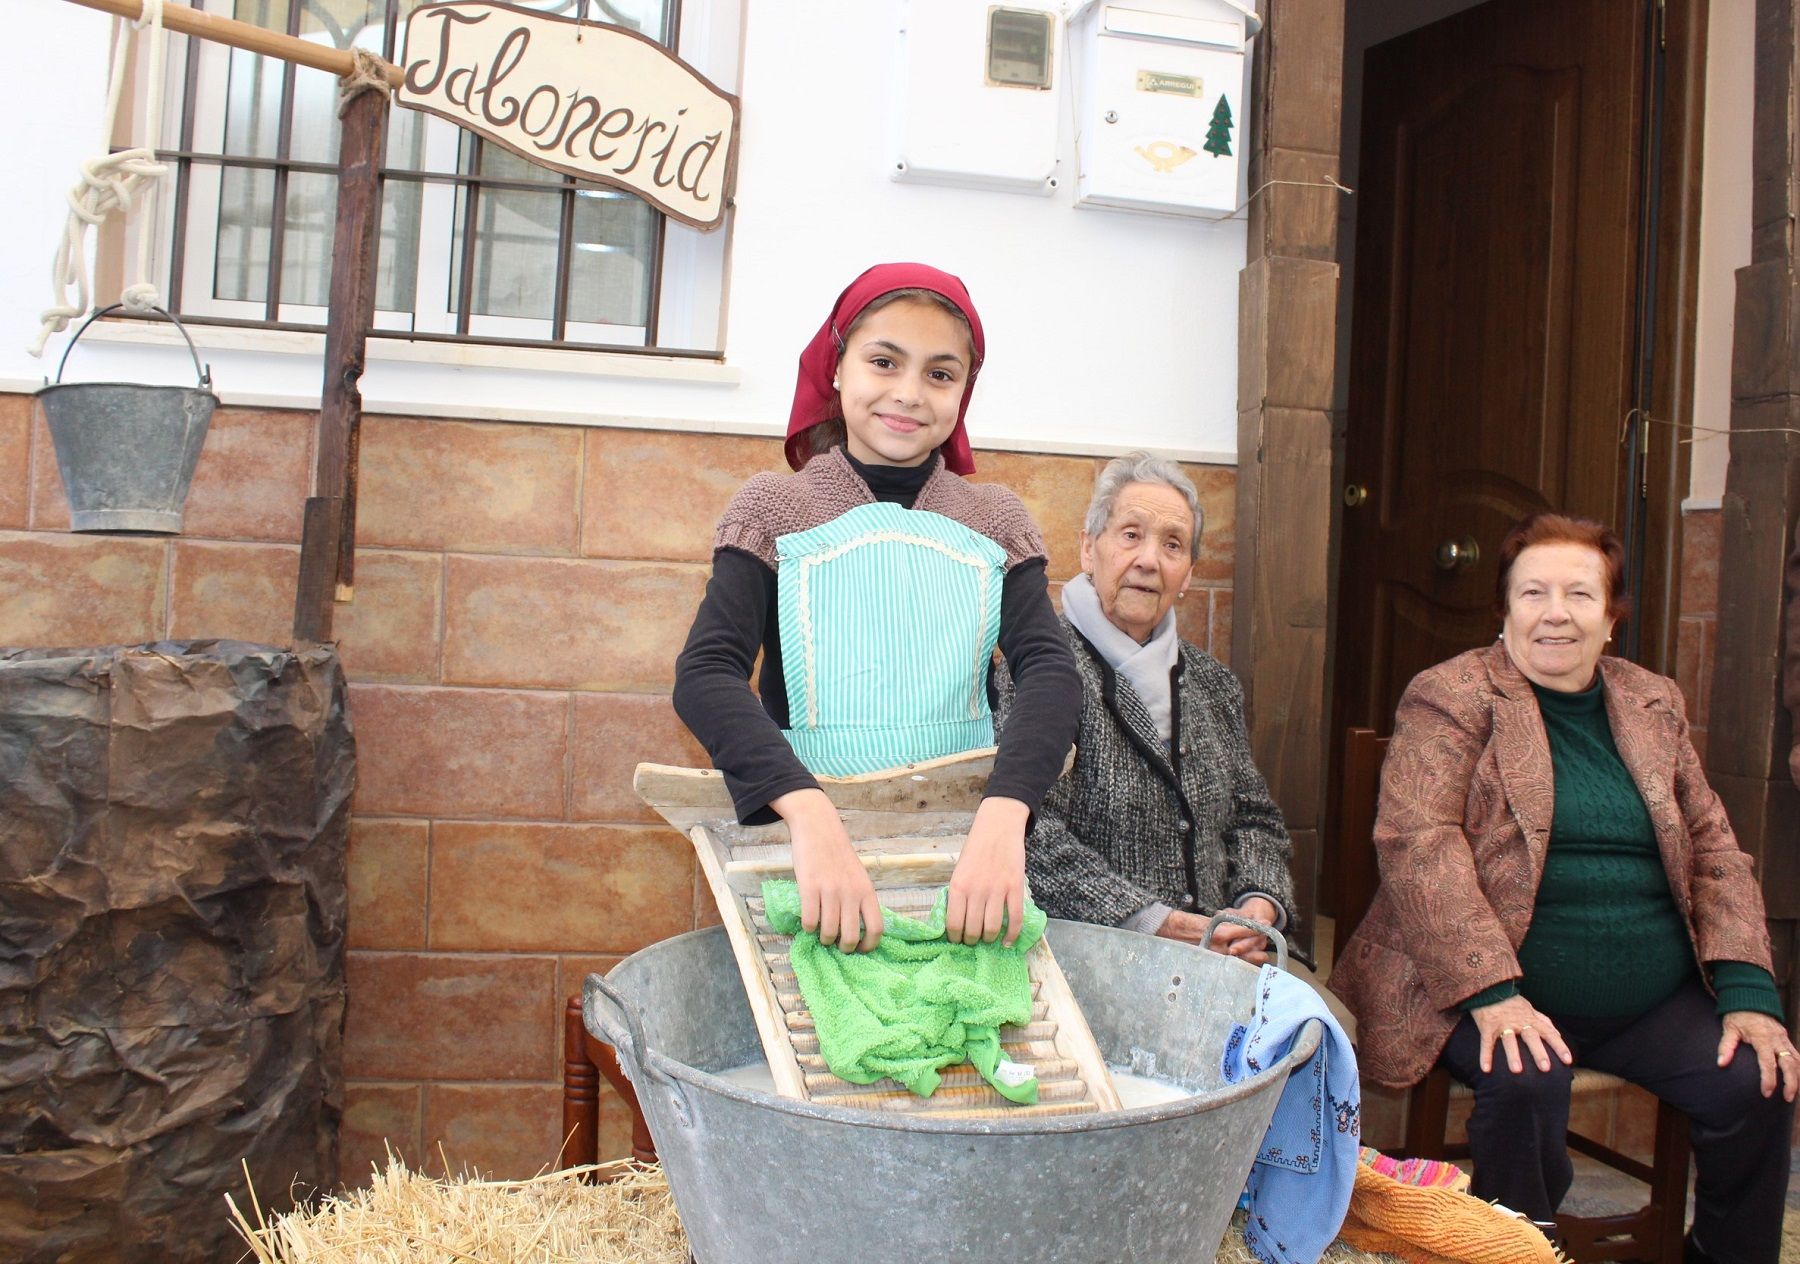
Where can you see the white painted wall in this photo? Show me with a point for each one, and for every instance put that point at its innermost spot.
(1106, 329)
(1724, 236)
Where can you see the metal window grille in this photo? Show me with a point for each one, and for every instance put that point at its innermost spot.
(476, 244)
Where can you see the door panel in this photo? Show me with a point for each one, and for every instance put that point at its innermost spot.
(1491, 321)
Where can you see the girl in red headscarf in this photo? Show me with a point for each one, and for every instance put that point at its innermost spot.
(876, 584)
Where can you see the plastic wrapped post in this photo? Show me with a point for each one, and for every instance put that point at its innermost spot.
(173, 821)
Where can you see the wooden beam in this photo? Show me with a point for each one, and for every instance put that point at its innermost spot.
(320, 526)
(1749, 734)
(185, 21)
(328, 540)
(326, 549)
(1287, 350)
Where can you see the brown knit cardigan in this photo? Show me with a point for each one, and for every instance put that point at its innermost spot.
(770, 506)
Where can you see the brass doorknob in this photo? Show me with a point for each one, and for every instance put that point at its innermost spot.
(1458, 555)
(1355, 494)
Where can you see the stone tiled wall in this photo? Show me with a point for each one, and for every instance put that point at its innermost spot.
(521, 593)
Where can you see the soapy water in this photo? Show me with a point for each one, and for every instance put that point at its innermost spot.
(1133, 1089)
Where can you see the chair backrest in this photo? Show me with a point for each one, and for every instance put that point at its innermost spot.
(1358, 875)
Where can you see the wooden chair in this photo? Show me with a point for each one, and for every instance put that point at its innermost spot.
(585, 1059)
(1653, 1232)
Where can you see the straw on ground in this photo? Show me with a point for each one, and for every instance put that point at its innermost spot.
(406, 1217)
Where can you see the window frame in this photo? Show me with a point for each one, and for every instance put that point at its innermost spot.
(686, 277)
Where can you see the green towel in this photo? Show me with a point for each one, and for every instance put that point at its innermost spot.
(915, 1004)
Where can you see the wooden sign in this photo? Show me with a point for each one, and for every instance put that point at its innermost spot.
(597, 101)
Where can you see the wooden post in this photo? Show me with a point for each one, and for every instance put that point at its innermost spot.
(1748, 731)
(329, 530)
(1287, 347)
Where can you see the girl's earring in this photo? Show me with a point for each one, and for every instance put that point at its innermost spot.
(834, 384)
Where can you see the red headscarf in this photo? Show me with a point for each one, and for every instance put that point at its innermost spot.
(816, 400)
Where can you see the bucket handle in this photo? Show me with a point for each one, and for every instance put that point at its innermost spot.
(619, 1011)
(204, 374)
(1275, 936)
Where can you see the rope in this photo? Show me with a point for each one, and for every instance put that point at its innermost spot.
(1693, 429)
(112, 182)
(365, 74)
(1329, 182)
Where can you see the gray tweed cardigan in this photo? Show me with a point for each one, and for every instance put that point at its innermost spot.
(1134, 823)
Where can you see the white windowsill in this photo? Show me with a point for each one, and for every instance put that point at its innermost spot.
(458, 355)
(593, 364)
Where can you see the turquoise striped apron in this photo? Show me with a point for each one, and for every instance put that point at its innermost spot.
(888, 620)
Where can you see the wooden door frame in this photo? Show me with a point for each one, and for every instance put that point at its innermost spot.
(1668, 463)
(1288, 472)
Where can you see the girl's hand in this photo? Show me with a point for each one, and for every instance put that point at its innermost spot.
(836, 897)
(988, 887)
(1512, 1022)
(1774, 1051)
(1241, 941)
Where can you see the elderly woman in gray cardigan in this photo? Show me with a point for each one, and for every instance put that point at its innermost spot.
(1164, 818)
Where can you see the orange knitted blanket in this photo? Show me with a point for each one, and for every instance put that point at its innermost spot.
(1437, 1225)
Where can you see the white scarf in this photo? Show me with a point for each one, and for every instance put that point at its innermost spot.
(1145, 667)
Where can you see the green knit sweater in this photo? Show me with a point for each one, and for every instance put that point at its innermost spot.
(1606, 939)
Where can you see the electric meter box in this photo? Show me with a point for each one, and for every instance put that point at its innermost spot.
(978, 93)
(1160, 87)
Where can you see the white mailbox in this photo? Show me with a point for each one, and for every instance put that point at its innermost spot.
(978, 93)
(1160, 89)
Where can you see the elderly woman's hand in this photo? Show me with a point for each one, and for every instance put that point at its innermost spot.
(1774, 1051)
(1240, 941)
(1229, 939)
(1516, 1021)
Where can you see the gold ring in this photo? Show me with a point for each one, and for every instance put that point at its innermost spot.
(1506, 1031)
(1524, 1026)
(1785, 1053)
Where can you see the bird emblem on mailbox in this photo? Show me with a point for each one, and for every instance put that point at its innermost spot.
(1164, 155)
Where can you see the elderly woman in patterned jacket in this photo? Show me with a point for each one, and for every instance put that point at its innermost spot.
(1559, 888)
(1163, 819)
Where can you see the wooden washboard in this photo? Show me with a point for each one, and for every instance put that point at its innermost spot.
(907, 825)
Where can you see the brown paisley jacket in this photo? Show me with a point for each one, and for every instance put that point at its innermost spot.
(1460, 835)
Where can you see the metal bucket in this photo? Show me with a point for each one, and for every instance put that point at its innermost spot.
(127, 451)
(759, 1178)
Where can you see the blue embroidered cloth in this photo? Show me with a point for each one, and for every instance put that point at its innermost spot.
(1299, 1186)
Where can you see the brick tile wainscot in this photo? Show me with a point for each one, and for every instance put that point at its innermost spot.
(521, 593)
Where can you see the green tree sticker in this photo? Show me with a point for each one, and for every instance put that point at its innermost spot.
(1218, 136)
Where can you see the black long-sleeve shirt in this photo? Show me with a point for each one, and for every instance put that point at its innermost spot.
(737, 619)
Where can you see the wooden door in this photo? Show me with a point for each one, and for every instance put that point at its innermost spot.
(1493, 319)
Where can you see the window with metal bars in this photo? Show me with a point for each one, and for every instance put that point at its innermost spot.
(476, 243)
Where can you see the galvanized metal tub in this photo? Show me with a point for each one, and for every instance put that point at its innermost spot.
(759, 1178)
(126, 450)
